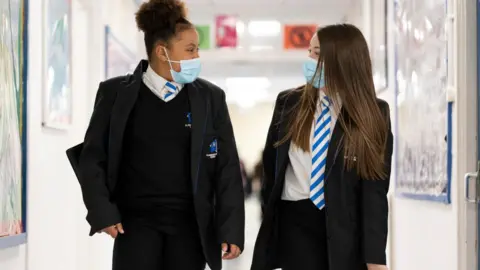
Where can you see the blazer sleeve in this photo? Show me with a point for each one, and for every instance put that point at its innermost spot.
(375, 209)
(270, 156)
(102, 212)
(230, 202)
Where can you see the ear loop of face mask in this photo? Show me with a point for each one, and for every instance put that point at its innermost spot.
(168, 59)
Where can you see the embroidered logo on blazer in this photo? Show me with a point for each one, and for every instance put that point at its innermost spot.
(189, 120)
(213, 149)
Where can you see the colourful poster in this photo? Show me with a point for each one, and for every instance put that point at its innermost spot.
(204, 36)
(226, 31)
(12, 122)
(119, 59)
(57, 107)
(298, 36)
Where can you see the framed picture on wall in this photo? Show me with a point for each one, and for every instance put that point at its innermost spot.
(13, 125)
(119, 60)
(57, 88)
(422, 112)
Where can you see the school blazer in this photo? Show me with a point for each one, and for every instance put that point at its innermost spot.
(217, 182)
(356, 209)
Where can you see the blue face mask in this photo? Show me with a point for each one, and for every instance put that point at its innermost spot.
(309, 68)
(189, 70)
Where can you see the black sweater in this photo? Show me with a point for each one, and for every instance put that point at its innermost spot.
(155, 182)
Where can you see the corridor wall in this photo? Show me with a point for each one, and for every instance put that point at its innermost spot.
(57, 237)
(427, 234)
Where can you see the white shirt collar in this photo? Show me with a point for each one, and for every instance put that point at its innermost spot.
(156, 83)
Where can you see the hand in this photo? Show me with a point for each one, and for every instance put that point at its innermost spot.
(376, 267)
(232, 253)
(114, 230)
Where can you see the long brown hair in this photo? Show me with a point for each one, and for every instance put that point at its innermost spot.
(349, 84)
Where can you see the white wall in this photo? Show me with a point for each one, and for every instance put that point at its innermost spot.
(57, 230)
(426, 235)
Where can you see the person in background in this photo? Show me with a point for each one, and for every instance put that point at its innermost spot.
(159, 168)
(258, 177)
(247, 182)
(327, 164)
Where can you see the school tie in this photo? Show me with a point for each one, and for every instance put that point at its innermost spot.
(321, 139)
(169, 91)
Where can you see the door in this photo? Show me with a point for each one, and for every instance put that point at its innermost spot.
(472, 179)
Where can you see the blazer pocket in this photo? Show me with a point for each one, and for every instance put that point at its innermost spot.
(210, 155)
(210, 147)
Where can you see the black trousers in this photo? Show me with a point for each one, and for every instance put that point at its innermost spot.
(145, 247)
(303, 237)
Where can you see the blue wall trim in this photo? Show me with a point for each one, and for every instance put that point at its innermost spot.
(25, 118)
(12, 241)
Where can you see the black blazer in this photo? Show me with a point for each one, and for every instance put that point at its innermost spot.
(217, 182)
(357, 209)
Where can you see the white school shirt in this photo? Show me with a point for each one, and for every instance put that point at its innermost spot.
(156, 84)
(299, 169)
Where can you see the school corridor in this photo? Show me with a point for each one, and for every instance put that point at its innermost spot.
(55, 53)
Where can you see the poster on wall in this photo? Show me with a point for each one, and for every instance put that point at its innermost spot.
(57, 88)
(203, 36)
(423, 162)
(119, 60)
(226, 35)
(13, 84)
(298, 36)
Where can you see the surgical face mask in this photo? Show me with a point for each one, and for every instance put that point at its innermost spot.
(309, 68)
(189, 69)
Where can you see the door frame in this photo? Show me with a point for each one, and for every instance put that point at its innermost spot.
(463, 37)
(477, 114)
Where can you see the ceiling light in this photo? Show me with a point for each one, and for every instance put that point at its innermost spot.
(240, 26)
(264, 28)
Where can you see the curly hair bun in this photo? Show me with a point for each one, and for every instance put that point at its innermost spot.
(157, 15)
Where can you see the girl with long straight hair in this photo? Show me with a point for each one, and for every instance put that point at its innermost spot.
(327, 164)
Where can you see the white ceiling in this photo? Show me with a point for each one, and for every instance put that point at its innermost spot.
(298, 3)
(286, 71)
(320, 11)
(271, 2)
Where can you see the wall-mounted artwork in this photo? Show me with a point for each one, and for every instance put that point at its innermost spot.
(424, 117)
(204, 36)
(119, 60)
(298, 36)
(226, 35)
(57, 89)
(13, 83)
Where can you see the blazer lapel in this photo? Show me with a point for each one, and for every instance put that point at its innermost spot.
(282, 150)
(124, 103)
(199, 108)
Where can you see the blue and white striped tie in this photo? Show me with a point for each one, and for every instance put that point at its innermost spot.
(321, 139)
(171, 90)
